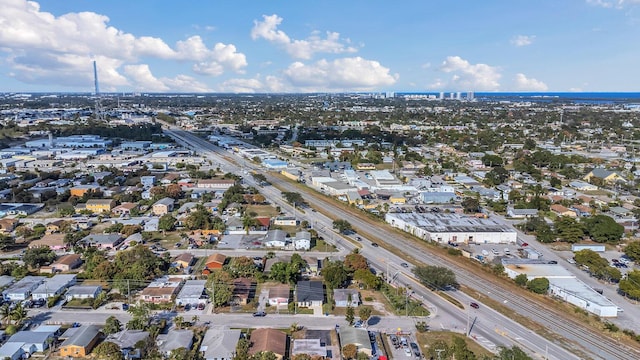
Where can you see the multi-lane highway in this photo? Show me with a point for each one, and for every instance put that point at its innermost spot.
(578, 341)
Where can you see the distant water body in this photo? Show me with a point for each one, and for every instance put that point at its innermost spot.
(550, 97)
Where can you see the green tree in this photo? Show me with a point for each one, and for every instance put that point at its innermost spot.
(521, 280)
(293, 198)
(166, 222)
(364, 312)
(538, 285)
(630, 285)
(366, 277)
(470, 205)
(108, 351)
(569, 229)
(355, 261)
(6, 242)
(513, 353)
(334, 274)
(242, 349)
(497, 175)
(180, 354)
(350, 351)
(632, 250)
(555, 182)
(259, 178)
(38, 256)
(220, 287)
(343, 226)
(112, 325)
(436, 277)
(603, 229)
(18, 314)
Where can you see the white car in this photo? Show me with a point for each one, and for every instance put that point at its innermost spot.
(407, 351)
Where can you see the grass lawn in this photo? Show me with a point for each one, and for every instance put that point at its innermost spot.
(323, 246)
(427, 339)
(262, 210)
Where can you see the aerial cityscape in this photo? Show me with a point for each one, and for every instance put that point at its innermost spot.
(252, 181)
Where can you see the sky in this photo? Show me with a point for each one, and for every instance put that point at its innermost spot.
(278, 46)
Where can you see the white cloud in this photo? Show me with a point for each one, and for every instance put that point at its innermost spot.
(522, 83)
(522, 40)
(619, 4)
(467, 76)
(355, 73)
(67, 44)
(300, 49)
(143, 80)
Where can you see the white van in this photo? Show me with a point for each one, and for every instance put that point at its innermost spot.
(507, 251)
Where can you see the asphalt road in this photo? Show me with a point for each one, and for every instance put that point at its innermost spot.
(489, 325)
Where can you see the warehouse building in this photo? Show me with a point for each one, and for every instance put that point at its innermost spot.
(455, 228)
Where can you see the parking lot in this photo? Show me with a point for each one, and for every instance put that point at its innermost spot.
(403, 346)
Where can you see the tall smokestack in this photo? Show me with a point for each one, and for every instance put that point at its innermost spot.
(95, 77)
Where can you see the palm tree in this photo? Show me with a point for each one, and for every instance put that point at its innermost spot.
(18, 314)
(178, 321)
(5, 313)
(248, 222)
(194, 319)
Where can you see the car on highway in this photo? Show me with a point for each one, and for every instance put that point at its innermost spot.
(404, 265)
(474, 305)
(374, 245)
(358, 238)
(259, 314)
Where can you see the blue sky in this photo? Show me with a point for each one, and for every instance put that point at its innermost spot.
(327, 46)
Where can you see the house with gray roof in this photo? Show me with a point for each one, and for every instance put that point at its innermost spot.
(309, 293)
(191, 293)
(12, 351)
(83, 292)
(54, 286)
(32, 341)
(346, 297)
(22, 289)
(356, 336)
(102, 241)
(220, 343)
(174, 339)
(80, 341)
(126, 341)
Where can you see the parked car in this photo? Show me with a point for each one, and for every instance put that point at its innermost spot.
(259, 314)
(416, 349)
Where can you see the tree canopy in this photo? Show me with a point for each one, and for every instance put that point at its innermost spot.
(603, 229)
(436, 277)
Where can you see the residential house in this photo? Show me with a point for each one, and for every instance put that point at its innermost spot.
(151, 224)
(279, 295)
(8, 225)
(268, 340)
(32, 341)
(562, 210)
(80, 190)
(21, 290)
(99, 206)
(312, 347)
(356, 336)
(53, 241)
(127, 340)
(102, 241)
(192, 292)
(147, 181)
(83, 292)
(161, 290)
(302, 240)
(263, 223)
(605, 175)
(12, 351)
(53, 286)
(183, 261)
(313, 265)
(215, 184)
(309, 293)
(214, 262)
(220, 343)
(67, 262)
(124, 209)
(521, 213)
(346, 297)
(81, 342)
(582, 210)
(243, 290)
(174, 339)
(582, 186)
(163, 206)
(56, 226)
(275, 238)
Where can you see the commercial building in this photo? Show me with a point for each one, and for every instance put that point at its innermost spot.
(563, 285)
(444, 228)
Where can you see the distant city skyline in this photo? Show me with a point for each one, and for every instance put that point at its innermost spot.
(321, 46)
